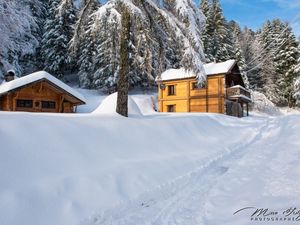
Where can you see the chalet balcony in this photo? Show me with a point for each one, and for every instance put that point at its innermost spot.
(238, 93)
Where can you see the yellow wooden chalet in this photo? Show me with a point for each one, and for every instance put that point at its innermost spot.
(224, 91)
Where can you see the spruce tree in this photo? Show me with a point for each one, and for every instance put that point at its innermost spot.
(58, 33)
(249, 46)
(220, 45)
(296, 84)
(237, 53)
(86, 59)
(157, 41)
(17, 38)
(263, 47)
(205, 8)
(83, 23)
(83, 44)
(285, 59)
(32, 61)
(277, 56)
(106, 61)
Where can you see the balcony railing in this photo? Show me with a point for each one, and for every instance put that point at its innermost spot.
(238, 91)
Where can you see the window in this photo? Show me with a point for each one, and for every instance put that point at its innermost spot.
(196, 86)
(171, 90)
(171, 108)
(48, 105)
(22, 103)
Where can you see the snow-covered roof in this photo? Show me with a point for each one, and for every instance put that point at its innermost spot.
(173, 74)
(31, 78)
(210, 69)
(219, 68)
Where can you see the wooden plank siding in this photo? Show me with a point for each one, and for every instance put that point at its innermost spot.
(41, 91)
(187, 99)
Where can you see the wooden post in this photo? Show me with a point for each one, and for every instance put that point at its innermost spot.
(219, 95)
(206, 95)
(9, 103)
(14, 104)
(188, 96)
(237, 108)
(242, 109)
(61, 102)
(160, 97)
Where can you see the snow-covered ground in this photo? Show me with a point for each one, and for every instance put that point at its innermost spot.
(98, 168)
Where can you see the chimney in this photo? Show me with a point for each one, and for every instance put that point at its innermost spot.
(9, 76)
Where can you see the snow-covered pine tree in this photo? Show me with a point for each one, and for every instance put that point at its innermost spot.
(162, 37)
(285, 58)
(191, 22)
(277, 56)
(250, 45)
(39, 11)
(85, 19)
(296, 85)
(32, 60)
(106, 61)
(17, 26)
(297, 92)
(82, 45)
(205, 8)
(219, 47)
(59, 29)
(235, 32)
(264, 52)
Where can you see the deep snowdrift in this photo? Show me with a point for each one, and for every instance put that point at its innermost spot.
(109, 105)
(61, 169)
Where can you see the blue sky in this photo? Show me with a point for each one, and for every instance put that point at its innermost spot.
(253, 13)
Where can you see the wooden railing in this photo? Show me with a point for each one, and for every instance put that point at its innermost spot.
(238, 91)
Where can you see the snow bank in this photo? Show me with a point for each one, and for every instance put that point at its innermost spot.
(61, 169)
(109, 105)
(146, 103)
(93, 99)
(67, 167)
(260, 103)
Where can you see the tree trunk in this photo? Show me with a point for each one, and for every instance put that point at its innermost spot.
(122, 101)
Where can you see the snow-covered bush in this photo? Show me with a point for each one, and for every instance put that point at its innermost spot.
(260, 103)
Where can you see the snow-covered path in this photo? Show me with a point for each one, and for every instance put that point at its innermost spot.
(189, 199)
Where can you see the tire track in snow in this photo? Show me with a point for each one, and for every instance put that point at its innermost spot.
(182, 201)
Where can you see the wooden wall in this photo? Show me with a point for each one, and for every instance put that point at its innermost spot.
(37, 92)
(186, 99)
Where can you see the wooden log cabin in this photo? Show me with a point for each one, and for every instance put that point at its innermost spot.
(38, 92)
(224, 91)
